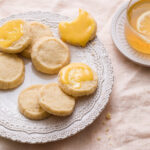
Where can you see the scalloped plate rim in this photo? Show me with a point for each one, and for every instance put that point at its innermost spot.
(111, 78)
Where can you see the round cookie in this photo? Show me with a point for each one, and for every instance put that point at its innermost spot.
(37, 31)
(55, 101)
(21, 43)
(28, 103)
(79, 31)
(11, 71)
(78, 86)
(49, 55)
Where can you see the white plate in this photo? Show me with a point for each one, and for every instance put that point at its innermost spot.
(118, 36)
(16, 127)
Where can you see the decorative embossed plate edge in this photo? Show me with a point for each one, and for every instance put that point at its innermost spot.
(26, 137)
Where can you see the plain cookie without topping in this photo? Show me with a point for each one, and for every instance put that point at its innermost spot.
(49, 55)
(55, 101)
(11, 71)
(28, 103)
(37, 31)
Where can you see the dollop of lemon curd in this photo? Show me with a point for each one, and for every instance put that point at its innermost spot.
(75, 74)
(79, 31)
(11, 32)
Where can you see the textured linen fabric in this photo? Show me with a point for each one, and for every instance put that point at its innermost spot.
(129, 105)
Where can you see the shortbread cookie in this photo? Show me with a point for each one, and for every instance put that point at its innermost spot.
(14, 36)
(11, 71)
(79, 31)
(28, 103)
(37, 31)
(49, 55)
(77, 79)
(55, 101)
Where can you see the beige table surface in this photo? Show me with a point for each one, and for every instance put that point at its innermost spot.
(129, 127)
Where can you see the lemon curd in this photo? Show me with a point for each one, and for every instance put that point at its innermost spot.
(11, 32)
(137, 26)
(75, 74)
(79, 31)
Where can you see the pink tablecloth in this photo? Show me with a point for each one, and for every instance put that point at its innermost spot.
(129, 127)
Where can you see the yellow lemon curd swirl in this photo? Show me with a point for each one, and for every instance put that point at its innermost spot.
(79, 31)
(11, 32)
(75, 74)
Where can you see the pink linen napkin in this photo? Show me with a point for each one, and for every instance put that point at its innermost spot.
(129, 106)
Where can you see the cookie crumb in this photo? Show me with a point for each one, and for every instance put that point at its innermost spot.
(109, 137)
(93, 43)
(103, 122)
(98, 138)
(110, 144)
(107, 130)
(108, 116)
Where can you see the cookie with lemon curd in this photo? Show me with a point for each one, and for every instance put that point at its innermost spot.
(11, 71)
(78, 79)
(37, 30)
(49, 55)
(14, 36)
(55, 101)
(28, 103)
(79, 31)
